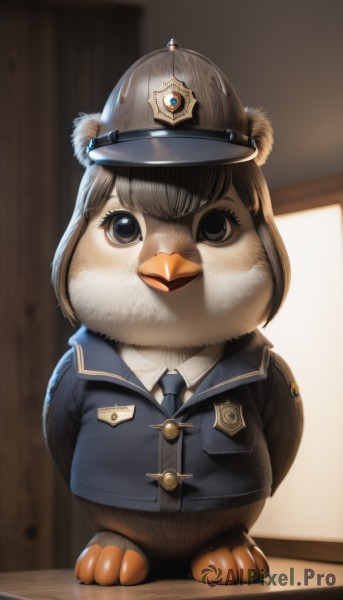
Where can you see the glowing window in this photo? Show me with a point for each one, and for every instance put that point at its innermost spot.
(308, 333)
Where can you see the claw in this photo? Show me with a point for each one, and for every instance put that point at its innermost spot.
(108, 565)
(221, 564)
(85, 565)
(134, 569)
(260, 561)
(245, 563)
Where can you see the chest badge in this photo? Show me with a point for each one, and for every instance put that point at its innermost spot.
(229, 416)
(113, 415)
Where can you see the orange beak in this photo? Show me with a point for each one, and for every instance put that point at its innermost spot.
(168, 272)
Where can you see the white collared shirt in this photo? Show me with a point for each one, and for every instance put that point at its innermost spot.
(193, 370)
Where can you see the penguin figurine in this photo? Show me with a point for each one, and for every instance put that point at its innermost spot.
(170, 417)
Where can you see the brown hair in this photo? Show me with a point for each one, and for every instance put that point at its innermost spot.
(181, 190)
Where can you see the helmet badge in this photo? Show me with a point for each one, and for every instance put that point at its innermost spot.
(172, 102)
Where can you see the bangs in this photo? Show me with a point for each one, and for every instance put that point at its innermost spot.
(169, 192)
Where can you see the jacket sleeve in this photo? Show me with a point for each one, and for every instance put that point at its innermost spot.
(61, 418)
(282, 418)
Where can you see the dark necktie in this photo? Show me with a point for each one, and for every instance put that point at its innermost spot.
(172, 384)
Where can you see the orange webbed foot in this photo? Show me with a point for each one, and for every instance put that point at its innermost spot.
(228, 560)
(110, 558)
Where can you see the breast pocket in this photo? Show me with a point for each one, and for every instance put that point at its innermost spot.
(225, 428)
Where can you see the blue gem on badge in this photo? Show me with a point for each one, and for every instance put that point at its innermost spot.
(172, 101)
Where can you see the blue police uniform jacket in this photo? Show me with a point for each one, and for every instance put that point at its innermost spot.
(233, 440)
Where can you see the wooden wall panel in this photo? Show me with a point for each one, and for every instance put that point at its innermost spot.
(93, 48)
(55, 60)
(27, 307)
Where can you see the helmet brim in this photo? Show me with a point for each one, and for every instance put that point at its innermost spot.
(171, 152)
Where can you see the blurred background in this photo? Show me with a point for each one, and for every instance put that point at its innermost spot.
(59, 58)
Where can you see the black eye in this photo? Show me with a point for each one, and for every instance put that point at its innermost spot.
(217, 226)
(121, 228)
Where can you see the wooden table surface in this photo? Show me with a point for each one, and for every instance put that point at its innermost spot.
(291, 579)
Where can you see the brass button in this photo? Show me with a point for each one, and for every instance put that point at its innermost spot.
(169, 481)
(170, 430)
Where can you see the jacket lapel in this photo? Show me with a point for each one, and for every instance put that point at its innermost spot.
(244, 361)
(96, 359)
